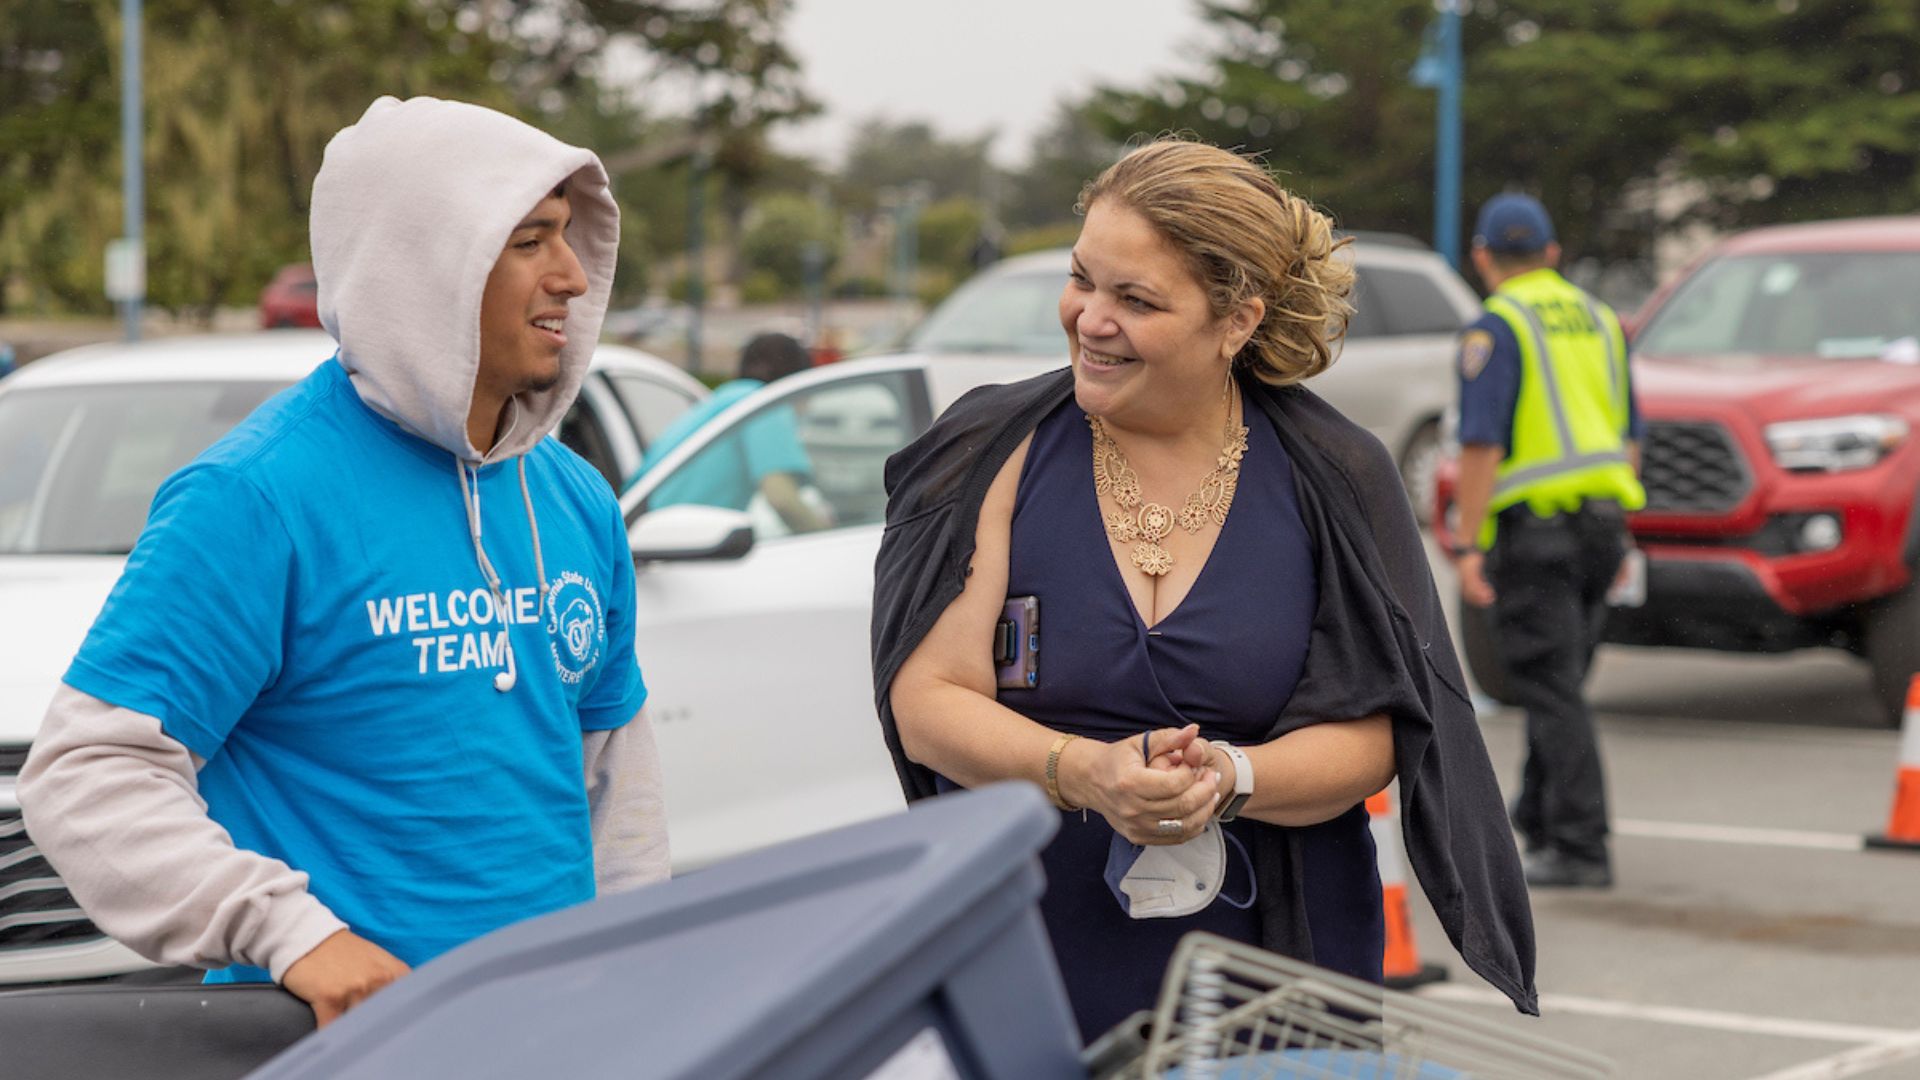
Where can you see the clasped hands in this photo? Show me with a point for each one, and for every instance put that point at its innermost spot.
(1182, 780)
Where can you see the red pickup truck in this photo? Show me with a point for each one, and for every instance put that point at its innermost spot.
(1779, 377)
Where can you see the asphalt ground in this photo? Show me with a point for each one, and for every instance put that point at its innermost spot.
(1747, 937)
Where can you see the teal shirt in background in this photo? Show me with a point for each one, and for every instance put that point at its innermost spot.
(727, 472)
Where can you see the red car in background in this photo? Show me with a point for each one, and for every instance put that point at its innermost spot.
(290, 299)
(1779, 377)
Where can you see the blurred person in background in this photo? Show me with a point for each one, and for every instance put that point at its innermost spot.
(1549, 463)
(763, 463)
(1239, 639)
(323, 731)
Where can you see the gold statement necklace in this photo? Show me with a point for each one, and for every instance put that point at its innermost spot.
(1145, 524)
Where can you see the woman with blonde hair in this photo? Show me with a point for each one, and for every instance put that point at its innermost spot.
(1239, 638)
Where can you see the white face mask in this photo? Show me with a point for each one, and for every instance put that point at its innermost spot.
(1167, 881)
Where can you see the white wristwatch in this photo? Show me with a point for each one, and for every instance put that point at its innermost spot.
(1242, 782)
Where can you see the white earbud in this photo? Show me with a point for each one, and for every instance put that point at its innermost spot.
(504, 681)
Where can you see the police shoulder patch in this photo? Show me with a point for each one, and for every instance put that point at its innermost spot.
(1476, 348)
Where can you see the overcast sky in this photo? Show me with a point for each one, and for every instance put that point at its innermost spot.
(974, 66)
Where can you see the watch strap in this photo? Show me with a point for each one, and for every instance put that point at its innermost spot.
(1242, 782)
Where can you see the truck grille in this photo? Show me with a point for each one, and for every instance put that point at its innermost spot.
(1692, 468)
(35, 908)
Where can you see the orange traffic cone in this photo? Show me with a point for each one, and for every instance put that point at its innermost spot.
(1903, 824)
(1401, 964)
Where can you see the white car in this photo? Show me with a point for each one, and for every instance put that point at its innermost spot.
(1394, 375)
(86, 437)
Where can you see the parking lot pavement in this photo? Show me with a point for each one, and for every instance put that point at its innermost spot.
(1747, 936)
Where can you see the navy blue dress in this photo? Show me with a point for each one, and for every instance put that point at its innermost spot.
(1226, 658)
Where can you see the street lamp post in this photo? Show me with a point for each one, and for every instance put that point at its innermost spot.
(1446, 188)
(131, 257)
(698, 167)
(1440, 67)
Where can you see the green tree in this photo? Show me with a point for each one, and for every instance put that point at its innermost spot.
(1070, 151)
(1785, 111)
(728, 56)
(779, 231)
(233, 135)
(1319, 87)
(886, 158)
(1779, 111)
(57, 106)
(948, 232)
(242, 95)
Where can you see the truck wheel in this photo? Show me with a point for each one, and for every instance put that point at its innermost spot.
(1483, 659)
(1893, 649)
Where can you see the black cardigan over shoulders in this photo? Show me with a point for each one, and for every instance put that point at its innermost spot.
(1379, 644)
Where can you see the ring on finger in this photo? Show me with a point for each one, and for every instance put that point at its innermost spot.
(1167, 826)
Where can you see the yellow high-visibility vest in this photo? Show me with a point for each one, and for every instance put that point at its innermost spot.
(1570, 421)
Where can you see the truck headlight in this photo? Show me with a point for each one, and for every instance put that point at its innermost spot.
(1835, 444)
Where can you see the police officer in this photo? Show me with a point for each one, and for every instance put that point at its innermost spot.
(1549, 466)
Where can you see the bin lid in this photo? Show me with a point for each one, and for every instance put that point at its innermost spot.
(709, 975)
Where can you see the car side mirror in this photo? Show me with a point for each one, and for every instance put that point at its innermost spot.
(688, 532)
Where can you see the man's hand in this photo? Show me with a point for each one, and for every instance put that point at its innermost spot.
(1473, 578)
(341, 972)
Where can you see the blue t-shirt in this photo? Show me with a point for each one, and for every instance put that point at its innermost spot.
(304, 610)
(1489, 366)
(727, 472)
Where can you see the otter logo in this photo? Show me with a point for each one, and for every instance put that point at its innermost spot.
(577, 627)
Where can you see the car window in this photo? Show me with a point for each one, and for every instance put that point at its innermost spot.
(998, 313)
(652, 404)
(814, 459)
(583, 433)
(1409, 302)
(1830, 304)
(1366, 321)
(83, 462)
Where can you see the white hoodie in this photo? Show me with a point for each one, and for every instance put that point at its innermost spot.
(412, 208)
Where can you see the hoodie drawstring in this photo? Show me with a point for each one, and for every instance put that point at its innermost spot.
(470, 499)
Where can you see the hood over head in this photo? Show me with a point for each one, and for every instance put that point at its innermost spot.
(412, 207)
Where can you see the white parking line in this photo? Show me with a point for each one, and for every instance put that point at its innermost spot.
(1852, 1062)
(1684, 1017)
(1735, 834)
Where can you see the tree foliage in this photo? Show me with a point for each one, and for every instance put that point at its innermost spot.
(1775, 111)
(780, 229)
(1068, 152)
(233, 134)
(242, 95)
(885, 159)
(949, 232)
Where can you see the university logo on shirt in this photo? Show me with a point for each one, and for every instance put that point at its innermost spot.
(577, 627)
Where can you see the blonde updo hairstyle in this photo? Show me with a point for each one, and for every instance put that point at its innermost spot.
(1243, 236)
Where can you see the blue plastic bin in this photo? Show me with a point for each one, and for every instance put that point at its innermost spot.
(909, 947)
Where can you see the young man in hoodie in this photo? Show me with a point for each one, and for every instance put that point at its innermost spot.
(328, 727)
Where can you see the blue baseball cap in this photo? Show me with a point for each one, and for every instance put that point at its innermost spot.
(1513, 224)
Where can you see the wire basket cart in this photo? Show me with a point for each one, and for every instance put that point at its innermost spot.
(1230, 1011)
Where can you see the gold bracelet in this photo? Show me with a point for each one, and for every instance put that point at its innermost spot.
(1053, 772)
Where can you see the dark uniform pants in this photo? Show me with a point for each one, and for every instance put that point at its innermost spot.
(1550, 578)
